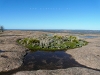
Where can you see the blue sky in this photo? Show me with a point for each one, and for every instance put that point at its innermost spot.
(50, 14)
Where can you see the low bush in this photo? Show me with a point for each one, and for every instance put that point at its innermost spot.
(52, 43)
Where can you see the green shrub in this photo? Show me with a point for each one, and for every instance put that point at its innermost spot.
(1, 28)
(52, 43)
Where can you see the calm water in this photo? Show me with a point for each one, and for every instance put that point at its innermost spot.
(45, 61)
(48, 60)
(84, 31)
(87, 37)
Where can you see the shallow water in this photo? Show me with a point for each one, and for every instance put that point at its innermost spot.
(88, 37)
(48, 60)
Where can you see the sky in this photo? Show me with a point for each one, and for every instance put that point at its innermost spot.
(50, 14)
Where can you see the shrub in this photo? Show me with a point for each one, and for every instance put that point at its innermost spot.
(52, 43)
(1, 28)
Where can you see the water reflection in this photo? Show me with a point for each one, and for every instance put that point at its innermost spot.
(87, 37)
(49, 60)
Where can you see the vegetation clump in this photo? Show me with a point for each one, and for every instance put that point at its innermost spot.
(1, 29)
(52, 43)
